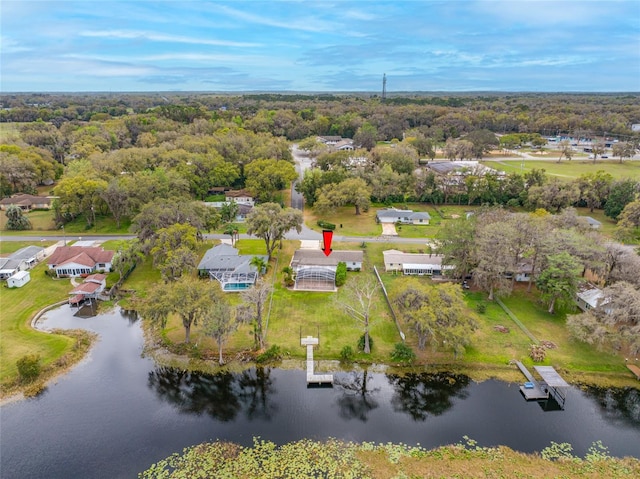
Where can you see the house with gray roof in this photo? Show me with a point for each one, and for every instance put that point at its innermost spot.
(592, 222)
(590, 297)
(233, 271)
(10, 266)
(316, 271)
(394, 215)
(31, 254)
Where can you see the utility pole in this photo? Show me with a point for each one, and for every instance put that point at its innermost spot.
(384, 86)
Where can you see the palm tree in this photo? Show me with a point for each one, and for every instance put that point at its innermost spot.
(260, 264)
(231, 230)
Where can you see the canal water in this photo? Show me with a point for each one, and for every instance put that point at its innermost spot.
(117, 412)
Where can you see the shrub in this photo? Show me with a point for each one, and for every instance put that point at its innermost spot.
(346, 354)
(272, 354)
(326, 225)
(361, 343)
(402, 353)
(341, 273)
(34, 389)
(481, 308)
(537, 353)
(29, 367)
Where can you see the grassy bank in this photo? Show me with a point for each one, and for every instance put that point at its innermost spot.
(337, 459)
(18, 306)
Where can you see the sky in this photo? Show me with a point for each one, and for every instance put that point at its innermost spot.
(320, 46)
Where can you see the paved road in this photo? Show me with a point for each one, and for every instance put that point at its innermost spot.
(305, 234)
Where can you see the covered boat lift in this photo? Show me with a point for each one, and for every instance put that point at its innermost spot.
(551, 385)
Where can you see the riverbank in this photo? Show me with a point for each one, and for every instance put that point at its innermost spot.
(340, 459)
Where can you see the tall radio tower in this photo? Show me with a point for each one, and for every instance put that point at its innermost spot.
(384, 86)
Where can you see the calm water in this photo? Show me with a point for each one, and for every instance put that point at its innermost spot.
(117, 412)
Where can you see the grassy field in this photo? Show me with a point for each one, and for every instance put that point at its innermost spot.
(18, 305)
(352, 224)
(570, 169)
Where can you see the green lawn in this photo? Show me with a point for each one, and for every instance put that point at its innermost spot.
(7, 247)
(569, 354)
(570, 169)
(17, 307)
(352, 224)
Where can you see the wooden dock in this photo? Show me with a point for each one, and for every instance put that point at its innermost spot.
(635, 370)
(538, 391)
(312, 378)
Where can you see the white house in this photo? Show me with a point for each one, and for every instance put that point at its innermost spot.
(592, 222)
(590, 297)
(242, 197)
(19, 279)
(419, 264)
(394, 215)
(76, 261)
(10, 266)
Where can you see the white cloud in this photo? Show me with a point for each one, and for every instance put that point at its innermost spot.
(163, 37)
(305, 24)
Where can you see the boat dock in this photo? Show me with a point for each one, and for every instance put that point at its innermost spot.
(550, 385)
(531, 390)
(312, 378)
(635, 370)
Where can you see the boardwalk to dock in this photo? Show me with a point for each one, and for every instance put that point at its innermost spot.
(635, 370)
(313, 378)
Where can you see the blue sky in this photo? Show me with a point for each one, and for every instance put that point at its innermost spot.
(455, 45)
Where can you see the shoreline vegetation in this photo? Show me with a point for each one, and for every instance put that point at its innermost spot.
(166, 348)
(339, 459)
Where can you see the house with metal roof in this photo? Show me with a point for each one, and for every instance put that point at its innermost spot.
(30, 254)
(394, 215)
(592, 222)
(419, 264)
(233, 271)
(10, 266)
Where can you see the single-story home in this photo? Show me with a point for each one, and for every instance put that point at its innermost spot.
(316, 271)
(242, 197)
(30, 254)
(393, 215)
(77, 260)
(90, 288)
(344, 145)
(329, 140)
(589, 297)
(19, 279)
(27, 202)
(10, 266)
(241, 215)
(420, 264)
(233, 271)
(592, 222)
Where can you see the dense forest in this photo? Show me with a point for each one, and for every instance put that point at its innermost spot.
(112, 154)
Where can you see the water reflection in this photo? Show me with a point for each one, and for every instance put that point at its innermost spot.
(130, 314)
(222, 396)
(197, 393)
(358, 395)
(256, 392)
(421, 395)
(617, 404)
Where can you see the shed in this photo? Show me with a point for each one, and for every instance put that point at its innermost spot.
(19, 279)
